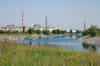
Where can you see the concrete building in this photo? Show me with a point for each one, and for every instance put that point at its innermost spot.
(13, 28)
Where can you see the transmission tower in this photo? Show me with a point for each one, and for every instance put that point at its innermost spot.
(22, 20)
(46, 23)
(84, 25)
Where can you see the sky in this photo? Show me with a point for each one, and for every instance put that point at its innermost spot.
(68, 14)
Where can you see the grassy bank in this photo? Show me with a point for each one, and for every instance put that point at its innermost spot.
(24, 55)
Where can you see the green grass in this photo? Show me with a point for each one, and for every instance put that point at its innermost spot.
(25, 55)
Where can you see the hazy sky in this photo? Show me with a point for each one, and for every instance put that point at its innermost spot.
(61, 13)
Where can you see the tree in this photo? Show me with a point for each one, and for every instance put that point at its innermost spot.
(23, 29)
(91, 31)
(71, 33)
(62, 31)
(30, 31)
(46, 32)
(37, 31)
(77, 31)
(1, 31)
(56, 31)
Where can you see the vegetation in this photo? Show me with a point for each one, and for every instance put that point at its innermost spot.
(31, 30)
(23, 28)
(92, 31)
(12, 54)
(37, 31)
(46, 32)
(57, 31)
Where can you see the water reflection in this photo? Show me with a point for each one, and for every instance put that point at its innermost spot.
(30, 41)
(88, 46)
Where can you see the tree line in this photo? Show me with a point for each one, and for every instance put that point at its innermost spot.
(46, 32)
(92, 31)
(33, 31)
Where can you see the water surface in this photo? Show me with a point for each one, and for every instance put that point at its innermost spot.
(68, 43)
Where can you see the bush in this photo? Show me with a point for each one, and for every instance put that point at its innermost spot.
(37, 31)
(1, 31)
(57, 31)
(46, 32)
(91, 31)
(29, 31)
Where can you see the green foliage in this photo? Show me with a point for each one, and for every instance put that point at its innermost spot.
(77, 31)
(37, 31)
(24, 55)
(63, 32)
(92, 31)
(46, 32)
(30, 30)
(57, 31)
(23, 29)
(70, 31)
(1, 31)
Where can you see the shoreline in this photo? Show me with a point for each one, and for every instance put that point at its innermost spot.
(91, 40)
(22, 36)
(12, 38)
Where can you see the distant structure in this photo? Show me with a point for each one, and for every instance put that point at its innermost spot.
(22, 20)
(11, 28)
(46, 23)
(84, 24)
(37, 26)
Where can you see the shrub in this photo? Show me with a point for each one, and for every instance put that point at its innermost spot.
(46, 32)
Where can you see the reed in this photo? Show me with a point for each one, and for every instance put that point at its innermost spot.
(12, 54)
